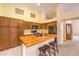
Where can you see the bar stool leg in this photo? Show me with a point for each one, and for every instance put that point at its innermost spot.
(54, 52)
(57, 48)
(49, 52)
(45, 54)
(40, 53)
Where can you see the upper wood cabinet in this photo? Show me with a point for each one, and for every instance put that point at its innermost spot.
(14, 22)
(5, 21)
(30, 25)
(21, 24)
(39, 26)
(46, 25)
(26, 25)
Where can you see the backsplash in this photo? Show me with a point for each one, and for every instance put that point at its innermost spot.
(28, 31)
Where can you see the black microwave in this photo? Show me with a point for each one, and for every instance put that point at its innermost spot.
(34, 28)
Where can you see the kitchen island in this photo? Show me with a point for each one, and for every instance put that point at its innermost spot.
(31, 43)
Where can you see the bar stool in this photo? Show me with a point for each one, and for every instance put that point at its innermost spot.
(44, 50)
(55, 45)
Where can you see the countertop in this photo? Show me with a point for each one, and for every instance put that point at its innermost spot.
(30, 40)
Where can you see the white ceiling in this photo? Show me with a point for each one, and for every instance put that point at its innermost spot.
(47, 8)
(70, 7)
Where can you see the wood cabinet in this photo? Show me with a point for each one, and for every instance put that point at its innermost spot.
(30, 25)
(14, 23)
(39, 26)
(9, 33)
(21, 28)
(4, 21)
(4, 38)
(13, 36)
(21, 23)
(4, 33)
(46, 25)
(26, 25)
(14, 32)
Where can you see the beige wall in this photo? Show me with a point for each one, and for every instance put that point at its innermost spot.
(44, 20)
(75, 27)
(9, 11)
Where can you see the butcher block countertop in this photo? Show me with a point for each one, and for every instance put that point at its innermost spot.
(31, 40)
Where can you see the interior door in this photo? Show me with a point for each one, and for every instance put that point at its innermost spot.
(68, 31)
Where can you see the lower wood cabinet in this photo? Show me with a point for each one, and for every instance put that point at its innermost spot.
(4, 38)
(13, 36)
(4, 43)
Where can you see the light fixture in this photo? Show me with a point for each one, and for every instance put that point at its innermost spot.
(38, 4)
(68, 22)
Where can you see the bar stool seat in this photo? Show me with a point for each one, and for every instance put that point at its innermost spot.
(44, 50)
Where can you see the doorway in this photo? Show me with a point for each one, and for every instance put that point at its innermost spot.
(68, 31)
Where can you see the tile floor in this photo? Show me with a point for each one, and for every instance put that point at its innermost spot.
(68, 48)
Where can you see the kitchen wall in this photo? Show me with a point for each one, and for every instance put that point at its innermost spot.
(8, 10)
(44, 20)
(75, 27)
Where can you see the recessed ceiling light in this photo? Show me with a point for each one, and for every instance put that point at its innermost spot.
(38, 4)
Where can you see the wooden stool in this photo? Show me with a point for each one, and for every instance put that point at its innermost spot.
(55, 45)
(44, 50)
(53, 49)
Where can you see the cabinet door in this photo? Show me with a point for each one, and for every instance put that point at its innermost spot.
(26, 25)
(21, 31)
(4, 21)
(14, 23)
(13, 36)
(39, 26)
(21, 23)
(30, 25)
(44, 26)
(4, 38)
(21, 28)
